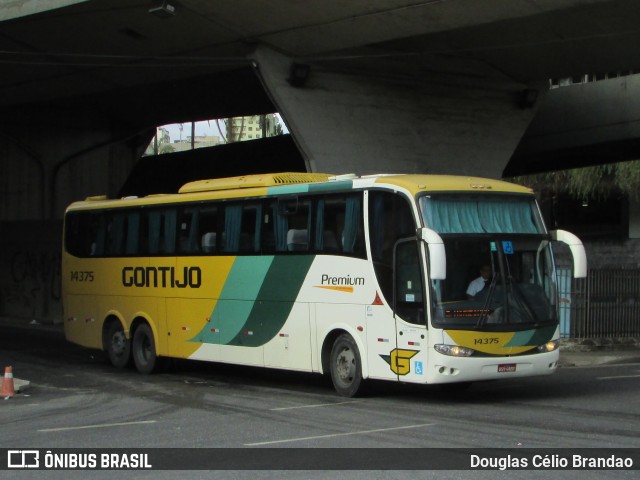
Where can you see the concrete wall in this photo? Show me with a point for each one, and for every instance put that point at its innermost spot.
(30, 270)
(619, 253)
(53, 157)
(50, 158)
(604, 254)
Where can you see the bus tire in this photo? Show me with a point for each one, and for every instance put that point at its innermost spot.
(144, 349)
(117, 345)
(346, 366)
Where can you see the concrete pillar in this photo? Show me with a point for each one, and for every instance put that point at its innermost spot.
(379, 121)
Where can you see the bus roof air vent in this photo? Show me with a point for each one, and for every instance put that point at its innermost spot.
(253, 181)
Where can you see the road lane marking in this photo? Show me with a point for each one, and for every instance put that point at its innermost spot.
(617, 376)
(102, 425)
(609, 365)
(317, 405)
(333, 435)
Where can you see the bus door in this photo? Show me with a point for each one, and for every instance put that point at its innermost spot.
(409, 359)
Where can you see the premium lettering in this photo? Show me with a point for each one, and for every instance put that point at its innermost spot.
(338, 281)
(163, 277)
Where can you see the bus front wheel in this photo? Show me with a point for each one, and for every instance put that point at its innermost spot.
(346, 367)
(117, 345)
(144, 349)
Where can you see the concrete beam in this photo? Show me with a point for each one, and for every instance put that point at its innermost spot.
(582, 124)
(23, 8)
(377, 121)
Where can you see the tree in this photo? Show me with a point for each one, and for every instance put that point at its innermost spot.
(597, 182)
(165, 148)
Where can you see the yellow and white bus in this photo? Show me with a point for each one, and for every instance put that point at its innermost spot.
(355, 277)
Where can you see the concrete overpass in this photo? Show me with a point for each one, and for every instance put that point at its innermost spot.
(586, 123)
(401, 85)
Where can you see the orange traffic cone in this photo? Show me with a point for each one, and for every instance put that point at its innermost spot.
(7, 383)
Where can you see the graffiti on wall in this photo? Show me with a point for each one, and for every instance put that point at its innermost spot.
(32, 287)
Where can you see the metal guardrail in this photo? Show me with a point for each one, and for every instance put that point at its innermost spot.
(604, 305)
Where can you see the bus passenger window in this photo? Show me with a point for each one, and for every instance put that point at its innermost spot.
(115, 224)
(242, 226)
(208, 228)
(339, 225)
(297, 240)
(162, 231)
(132, 242)
(291, 224)
(189, 231)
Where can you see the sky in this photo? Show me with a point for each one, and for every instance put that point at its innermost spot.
(206, 128)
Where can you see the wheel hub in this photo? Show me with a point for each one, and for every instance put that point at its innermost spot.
(346, 366)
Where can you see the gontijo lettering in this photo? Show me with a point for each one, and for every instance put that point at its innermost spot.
(164, 277)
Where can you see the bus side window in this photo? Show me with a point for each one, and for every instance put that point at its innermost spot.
(291, 224)
(208, 228)
(85, 234)
(189, 231)
(352, 234)
(326, 239)
(250, 235)
(242, 227)
(116, 229)
(339, 225)
(78, 236)
(132, 242)
(162, 231)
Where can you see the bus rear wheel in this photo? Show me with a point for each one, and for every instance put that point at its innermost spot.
(345, 366)
(117, 345)
(144, 349)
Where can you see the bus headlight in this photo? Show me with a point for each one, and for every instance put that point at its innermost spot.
(454, 350)
(549, 346)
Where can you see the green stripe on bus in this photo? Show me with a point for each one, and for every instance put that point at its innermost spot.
(331, 186)
(240, 290)
(275, 300)
(532, 337)
(287, 189)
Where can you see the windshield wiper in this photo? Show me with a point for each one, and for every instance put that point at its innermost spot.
(489, 297)
(521, 300)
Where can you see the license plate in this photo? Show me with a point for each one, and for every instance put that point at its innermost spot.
(507, 367)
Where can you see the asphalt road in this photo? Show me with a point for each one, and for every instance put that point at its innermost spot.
(77, 400)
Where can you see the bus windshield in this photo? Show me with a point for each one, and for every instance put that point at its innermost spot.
(499, 263)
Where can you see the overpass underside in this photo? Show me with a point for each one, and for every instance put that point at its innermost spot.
(430, 86)
(582, 124)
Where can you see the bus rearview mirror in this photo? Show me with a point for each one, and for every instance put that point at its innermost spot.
(577, 251)
(437, 255)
